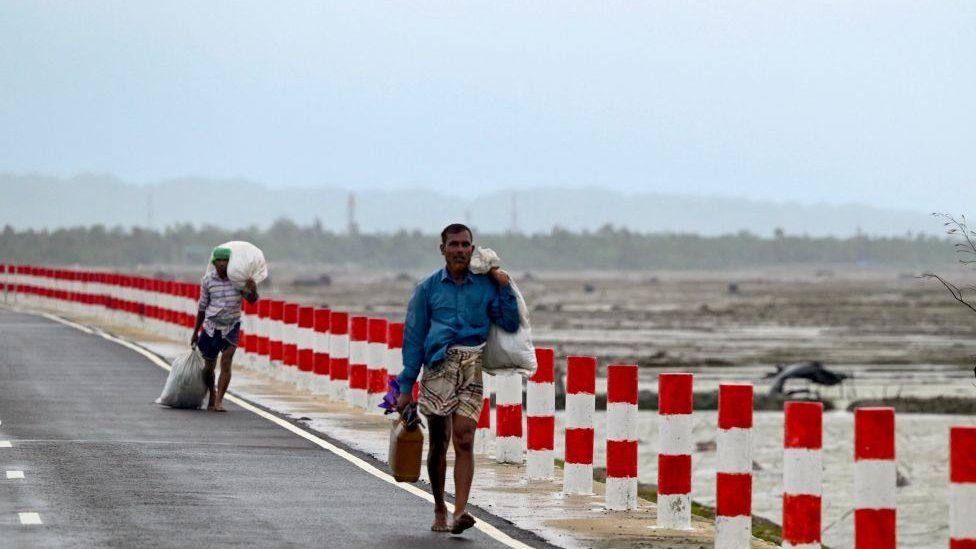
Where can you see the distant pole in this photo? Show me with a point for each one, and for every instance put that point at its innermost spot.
(514, 229)
(149, 210)
(353, 227)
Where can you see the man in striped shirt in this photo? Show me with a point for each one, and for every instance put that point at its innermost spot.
(219, 315)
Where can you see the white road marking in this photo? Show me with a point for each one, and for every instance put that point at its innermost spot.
(488, 529)
(67, 322)
(5, 444)
(14, 474)
(30, 518)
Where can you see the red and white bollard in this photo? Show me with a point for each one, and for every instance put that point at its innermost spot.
(733, 478)
(167, 302)
(508, 418)
(150, 299)
(483, 435)
(275, 335)
(306, 354)
(290, 344)
(802, 474)
(541, 416)
(261, 329)
(339, 355)
(190, 310)
(394, 350)
(962, 487)
(245, 352)
(675, 404)
(320, 347)
(621, 437)
(124, 305)
(875, 478)
(376, 351)
(580, 406)
(358, 335)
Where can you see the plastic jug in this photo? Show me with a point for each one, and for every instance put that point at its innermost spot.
(406, 446)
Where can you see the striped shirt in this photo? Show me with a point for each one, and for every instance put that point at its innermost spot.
(221, 303)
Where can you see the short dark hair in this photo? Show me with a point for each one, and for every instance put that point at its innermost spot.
(455, 228)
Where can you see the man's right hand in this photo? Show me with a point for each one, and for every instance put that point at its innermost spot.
(193, 339)
(402, 400)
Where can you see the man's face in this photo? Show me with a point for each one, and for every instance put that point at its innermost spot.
(457, 249)
(221, 266)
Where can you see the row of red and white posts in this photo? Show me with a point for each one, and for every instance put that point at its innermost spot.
(350, 359)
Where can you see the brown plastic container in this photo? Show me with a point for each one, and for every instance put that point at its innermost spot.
(406, 451)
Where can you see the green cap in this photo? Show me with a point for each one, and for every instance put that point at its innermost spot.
(220, 253)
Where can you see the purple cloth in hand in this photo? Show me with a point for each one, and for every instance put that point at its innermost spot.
(390, 398)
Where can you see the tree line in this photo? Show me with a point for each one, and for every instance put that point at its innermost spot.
(608, 248)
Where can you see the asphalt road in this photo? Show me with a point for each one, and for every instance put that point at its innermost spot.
(105, 467)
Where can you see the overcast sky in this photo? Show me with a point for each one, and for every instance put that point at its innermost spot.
(840, 101)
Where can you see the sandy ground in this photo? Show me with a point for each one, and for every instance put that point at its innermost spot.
(680, 320)
(896, 334)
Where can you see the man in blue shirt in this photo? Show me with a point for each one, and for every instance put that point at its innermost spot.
(446, 328)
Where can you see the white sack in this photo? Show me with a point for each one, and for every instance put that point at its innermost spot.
(184, 386)
(246, 261)
(506, 352)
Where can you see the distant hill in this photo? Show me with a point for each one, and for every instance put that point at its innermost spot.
(30, 201)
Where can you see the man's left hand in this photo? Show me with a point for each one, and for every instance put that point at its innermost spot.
(402, 400)
(250, 285)
(500, 276)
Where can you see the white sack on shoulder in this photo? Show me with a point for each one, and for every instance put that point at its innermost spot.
(506, 352)
(246, 261)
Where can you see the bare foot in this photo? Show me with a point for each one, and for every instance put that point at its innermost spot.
(440, 522)
(462, 522)
(218, 408)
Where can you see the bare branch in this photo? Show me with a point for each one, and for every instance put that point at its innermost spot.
(959, 226)
(957, 294)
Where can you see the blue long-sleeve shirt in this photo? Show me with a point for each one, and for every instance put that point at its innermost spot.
(442, 313)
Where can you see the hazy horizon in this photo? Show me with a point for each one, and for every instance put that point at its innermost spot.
(448, 192)
(86, 200)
